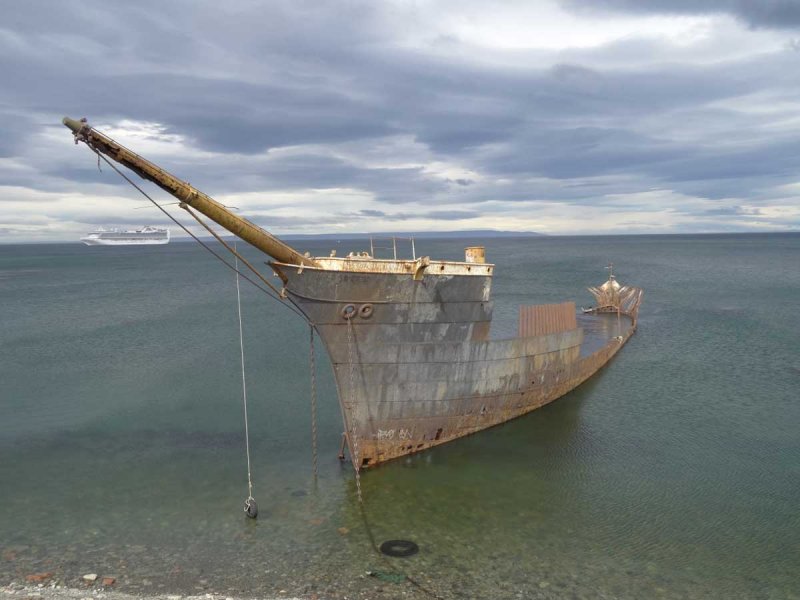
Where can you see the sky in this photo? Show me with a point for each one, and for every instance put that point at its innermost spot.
(554, 116)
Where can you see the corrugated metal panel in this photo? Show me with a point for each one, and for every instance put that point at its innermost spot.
(544, 319)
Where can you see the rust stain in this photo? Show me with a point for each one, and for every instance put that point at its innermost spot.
(543, 319)
(559, 379)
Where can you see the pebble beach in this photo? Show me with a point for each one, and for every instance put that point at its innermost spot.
(60, 592)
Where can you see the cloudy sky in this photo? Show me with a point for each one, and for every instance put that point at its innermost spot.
(557, 116)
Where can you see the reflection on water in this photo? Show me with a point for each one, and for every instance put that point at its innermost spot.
(672, 473)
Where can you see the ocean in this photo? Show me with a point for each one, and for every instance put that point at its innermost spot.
(673, 473)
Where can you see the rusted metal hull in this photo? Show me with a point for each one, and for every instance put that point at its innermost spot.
(470, 414)
(413, 362)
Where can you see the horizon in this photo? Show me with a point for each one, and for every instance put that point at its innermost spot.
(429, 236)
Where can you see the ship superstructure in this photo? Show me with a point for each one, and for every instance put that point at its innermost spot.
(145, 236)
(409, 340)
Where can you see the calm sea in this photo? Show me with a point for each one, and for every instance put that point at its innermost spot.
(673, 473)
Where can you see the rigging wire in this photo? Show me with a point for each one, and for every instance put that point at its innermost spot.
(193, 236)
(148, 206)
(249, 502)
(233, 251)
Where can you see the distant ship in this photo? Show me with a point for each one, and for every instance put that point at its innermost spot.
(118, 237)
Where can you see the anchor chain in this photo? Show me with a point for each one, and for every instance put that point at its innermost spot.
(351, 410)
(398, 575)
(313, 400)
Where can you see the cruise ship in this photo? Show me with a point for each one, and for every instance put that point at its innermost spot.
(119, 237)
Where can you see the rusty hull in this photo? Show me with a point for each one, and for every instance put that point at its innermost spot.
(411, 353)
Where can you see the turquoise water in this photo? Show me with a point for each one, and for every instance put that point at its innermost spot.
(674, 473)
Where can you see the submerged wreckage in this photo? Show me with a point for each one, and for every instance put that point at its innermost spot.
(409, 339)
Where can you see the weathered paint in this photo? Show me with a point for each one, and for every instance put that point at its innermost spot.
(417, 368)
(475, 254)
(363, 263)
(469, 415)
(541, 319)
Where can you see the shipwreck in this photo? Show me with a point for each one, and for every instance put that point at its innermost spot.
(409, 340)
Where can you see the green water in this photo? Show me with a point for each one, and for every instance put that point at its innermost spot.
(673, 473)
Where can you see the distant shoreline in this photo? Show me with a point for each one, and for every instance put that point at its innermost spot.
(446, 235)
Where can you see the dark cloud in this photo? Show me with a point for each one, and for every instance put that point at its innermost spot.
(731, 210)
(452, 215)
(436, 215)
(120, 220)
(781, 14)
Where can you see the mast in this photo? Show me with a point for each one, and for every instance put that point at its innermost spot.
(239, 226)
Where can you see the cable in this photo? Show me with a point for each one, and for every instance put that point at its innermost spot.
(250, 500)
(193, 236)
(233, 250)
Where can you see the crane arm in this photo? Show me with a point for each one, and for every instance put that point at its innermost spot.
(239, 226)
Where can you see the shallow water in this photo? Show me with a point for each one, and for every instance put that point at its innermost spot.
(673, 473)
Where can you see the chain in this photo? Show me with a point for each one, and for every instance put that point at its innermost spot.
(351, 410)
(313, 400)
(357, 466)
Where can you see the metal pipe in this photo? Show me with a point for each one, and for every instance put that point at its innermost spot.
(239, 226)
